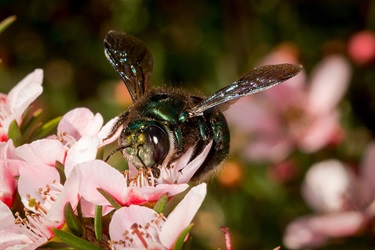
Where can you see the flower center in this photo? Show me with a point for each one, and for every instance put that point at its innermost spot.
(142, 235)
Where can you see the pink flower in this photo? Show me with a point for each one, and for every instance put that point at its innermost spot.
(143, 228)
(344, 201)
(13, 235)
(292, 114)
(9, 170)
(41, 192)
(82, 133)
(80, 122)
(98, 174)
(39, 172)
(361, 47)
(13, 105)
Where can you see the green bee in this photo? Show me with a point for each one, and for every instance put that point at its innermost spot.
(163, 123)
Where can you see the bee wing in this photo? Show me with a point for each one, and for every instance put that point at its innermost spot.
(256, 80)
(130, 57)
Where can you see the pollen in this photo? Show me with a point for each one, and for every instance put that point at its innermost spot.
(141, 235)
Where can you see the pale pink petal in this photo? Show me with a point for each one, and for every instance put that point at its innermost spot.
(9, 170)
(368, 167)
(182, 215)
(326, 184)
(7, 150)
(84, 150)
(285, 95)
(187, 172)
(12, 239)
(320, 132)
(98, 174)
(330, 80)
(249, 115)
(313, 231)
(32, 178)
(6, 216)
(124, 218)
(89, 209)
(79, 122)
(269, 148)
(22, 95)
(106, 130)
(10, 235)
(68, 194)
(44, 151)
(183, 160)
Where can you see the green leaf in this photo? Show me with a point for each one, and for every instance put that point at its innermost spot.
(74, 241)
(109, 198)
(60, 169)
(161, 203)
(6, 22)
(29, 123)
(98, 223)
(180, 240)
(45, 129)
(79, 212)
(15, 134)
(72, 220)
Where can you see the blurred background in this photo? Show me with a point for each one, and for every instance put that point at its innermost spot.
(204, 46)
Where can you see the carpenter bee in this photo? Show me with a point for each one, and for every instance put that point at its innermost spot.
(163, 123)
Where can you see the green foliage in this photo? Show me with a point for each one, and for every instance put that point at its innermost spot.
(74, 241)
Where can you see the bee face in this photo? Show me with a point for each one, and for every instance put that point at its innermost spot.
(145, 143)
(164, 123)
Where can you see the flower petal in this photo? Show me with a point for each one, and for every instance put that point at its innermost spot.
(329, 83)
(188, 172)
(44, 152)
(79, 122)
(98, 174)
(6, 216)
(122, 221)
(68, 194)
(182, 215)
(84, 150)
(313, 231)
(320, 132)
(34, 178)
(22, 95)
(325, 185)
(106, 130)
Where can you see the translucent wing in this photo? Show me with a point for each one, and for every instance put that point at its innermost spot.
(131, 59)
(256, 80)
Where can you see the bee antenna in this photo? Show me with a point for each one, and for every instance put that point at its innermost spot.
(115, 151)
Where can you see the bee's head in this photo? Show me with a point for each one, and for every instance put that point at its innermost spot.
(145, 143)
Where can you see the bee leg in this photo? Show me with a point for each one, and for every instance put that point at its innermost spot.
(120, 121)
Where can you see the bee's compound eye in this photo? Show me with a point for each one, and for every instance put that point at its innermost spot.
(159, 139)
